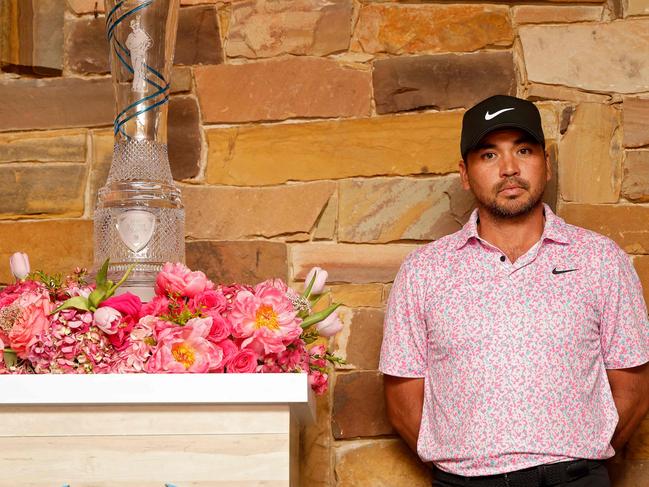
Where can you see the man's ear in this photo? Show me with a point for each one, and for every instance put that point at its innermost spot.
(464, 176)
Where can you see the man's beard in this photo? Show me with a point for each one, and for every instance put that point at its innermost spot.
(515, 208)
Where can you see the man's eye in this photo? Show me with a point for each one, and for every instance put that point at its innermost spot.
(525, 150)
(488, 155)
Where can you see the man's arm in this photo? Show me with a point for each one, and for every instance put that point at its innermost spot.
(404, 398)
(630, 388)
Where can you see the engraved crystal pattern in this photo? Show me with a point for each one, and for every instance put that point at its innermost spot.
(139, 218)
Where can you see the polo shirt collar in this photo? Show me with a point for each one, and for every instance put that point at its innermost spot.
(554, 228)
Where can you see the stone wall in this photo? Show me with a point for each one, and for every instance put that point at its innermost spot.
(308, 132)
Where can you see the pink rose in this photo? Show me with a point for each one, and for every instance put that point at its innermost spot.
(177, 279)
(209, 300)
(330, 325)
(19, 264)
(159, 305)
(107, 319)
(11, 293)
(128, 304)
(245, 361)
(33, 321)
(230, 349)
(220, 329)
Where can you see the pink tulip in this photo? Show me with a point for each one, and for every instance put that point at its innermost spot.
(320, 280)
(107, 319)
(330, 325)
(19, 263)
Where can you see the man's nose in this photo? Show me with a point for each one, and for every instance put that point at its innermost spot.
(509, 165)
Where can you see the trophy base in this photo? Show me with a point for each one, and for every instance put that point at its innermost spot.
(145, 293)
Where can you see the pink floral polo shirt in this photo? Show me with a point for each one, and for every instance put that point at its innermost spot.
(514, 355)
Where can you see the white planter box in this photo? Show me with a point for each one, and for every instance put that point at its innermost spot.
(145, 430)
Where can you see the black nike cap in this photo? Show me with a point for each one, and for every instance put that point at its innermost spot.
(499, 112)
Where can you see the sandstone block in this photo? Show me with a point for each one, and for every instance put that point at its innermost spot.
(361, 345)
(86, 48)
(635, 185)
(198, 40)
(245, 262)
(51, 146)
(380, 463)
(441, 81)
(268, 90)
(626, 224)
(29, 190)
(541, 14)
(357, 295)
(641, 264)
(391, 209)
(416, 29)
(102, 156)
(53, 245)
(224, 213)
(396, 145)
(636, 7)
(31, 36)
(548, 61)
(55, 103)
(591, 150)
(316, 462)
(184, 137)
(350, 263)
(636, 126)
(260, 29)
(326, 226)
(181, 79)
(359, 406)
(537, 91)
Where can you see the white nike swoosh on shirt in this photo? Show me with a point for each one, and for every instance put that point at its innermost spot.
(489, 116)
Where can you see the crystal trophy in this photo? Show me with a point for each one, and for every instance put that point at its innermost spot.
(139, 218)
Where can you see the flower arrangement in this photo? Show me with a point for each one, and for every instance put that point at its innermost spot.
(52, 324)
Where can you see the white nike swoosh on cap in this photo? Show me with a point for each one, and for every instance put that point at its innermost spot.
(489, 116)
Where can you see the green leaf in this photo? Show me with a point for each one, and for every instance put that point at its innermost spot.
(307, 291)
(77, 302)
(102, 274)
(10, 358)
(317, 317)
(96, 297)
(112, 288)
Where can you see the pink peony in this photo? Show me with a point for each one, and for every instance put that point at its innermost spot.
(266, 319)
(107, 319)
(127, 304)
(11, 293)
(230, 349)
(178, 280)
(245, 361)
(185, 348)
(31, 323)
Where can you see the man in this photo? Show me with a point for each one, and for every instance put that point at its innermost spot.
(514, 350)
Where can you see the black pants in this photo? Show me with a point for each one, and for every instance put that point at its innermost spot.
(597, 477)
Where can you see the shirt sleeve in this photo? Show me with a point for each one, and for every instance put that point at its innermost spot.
(404, 350)
(624, 326)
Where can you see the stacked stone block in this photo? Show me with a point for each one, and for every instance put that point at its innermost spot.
(311, 132)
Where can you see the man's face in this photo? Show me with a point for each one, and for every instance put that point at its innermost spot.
(507, 172)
